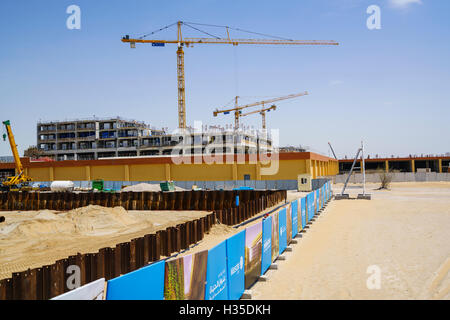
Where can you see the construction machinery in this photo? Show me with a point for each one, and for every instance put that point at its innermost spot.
(334, 154)
(238, 109)
(262, 112)
(181, 42)
(20, 181)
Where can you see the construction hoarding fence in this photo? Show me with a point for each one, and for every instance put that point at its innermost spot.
(134, 270)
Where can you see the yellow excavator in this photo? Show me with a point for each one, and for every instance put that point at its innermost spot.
(20, 181)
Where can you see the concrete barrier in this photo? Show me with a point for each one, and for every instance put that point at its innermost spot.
(396, 177)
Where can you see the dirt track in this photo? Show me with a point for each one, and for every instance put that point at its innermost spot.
(405, 232)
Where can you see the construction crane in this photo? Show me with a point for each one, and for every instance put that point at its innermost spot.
(20, 179)
(238, 112)
(334, 154)
(262, 112)
(181, 42)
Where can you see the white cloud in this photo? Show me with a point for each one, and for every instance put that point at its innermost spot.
(403, 3)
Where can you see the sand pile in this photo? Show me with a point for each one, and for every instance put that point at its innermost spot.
(141, 187)
(30, 239)
(39, 224)
(95, 219)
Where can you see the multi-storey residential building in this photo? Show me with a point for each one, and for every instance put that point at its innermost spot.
(116, 137)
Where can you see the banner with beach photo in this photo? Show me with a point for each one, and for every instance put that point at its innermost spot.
(253, 253)
(185, 277)
(275, 236)
(266, 259)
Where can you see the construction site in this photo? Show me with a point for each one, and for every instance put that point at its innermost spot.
(112, 208)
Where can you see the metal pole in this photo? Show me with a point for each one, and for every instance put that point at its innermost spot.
(351, 170)
(363, 168)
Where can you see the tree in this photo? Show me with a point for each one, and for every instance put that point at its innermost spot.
(33, 152)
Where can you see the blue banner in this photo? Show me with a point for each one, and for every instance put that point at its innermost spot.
(216, 273)
(321, 197)
(294, 206)
(235, 265)
(316, 204)
(311, 206)
(283, 232)
(266, 244)
(146, 283)
(303, 211)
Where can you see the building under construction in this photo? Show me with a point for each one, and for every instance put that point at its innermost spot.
(91, 139)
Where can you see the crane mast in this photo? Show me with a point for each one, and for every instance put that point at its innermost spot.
(20, 177)
(216, 40)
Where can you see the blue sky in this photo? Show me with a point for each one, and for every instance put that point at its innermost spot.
(388, 86)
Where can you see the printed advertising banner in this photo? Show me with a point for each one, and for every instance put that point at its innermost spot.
(146, 283)
(235, 265)
(185, 277)
(310, 204)
(216, 273)
(253, 253)
(303, 211)
(317, 196)
(91, 291)
(321, 198)
(275, 236)
(282, 226)
(267, 244)
(294, 205)
(288, 223)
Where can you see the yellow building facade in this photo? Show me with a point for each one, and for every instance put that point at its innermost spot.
(283, 166)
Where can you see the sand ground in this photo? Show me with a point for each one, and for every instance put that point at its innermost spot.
(403, 232)
(32, 239)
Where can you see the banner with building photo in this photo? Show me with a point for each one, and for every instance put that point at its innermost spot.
(266, 259)
(253, 253)
(216, 273)
(282, 227)
(294, 205)
(275, 235)
(288, 223)
(185, 277)
(235, 265)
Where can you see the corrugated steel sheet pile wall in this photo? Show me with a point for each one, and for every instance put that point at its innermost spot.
(51, 280)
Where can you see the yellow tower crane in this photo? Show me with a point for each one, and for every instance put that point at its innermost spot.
(20, 178)
(262, 112)
(181, 42)
(238, 109)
